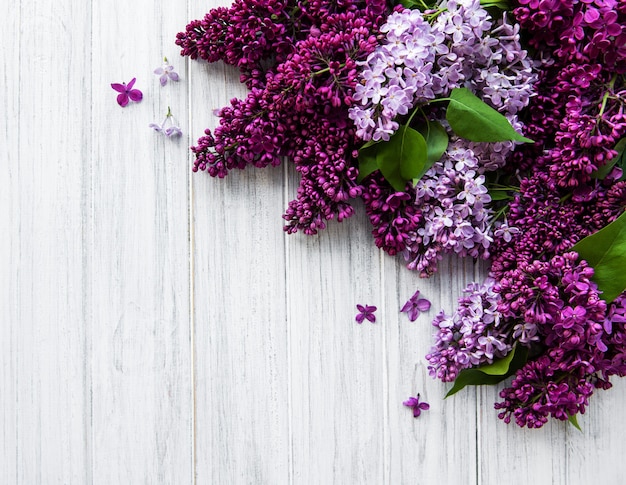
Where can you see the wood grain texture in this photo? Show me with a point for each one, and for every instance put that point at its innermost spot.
(160, 328)
(337, 366)
(440, 446)
(9, 247)
(240, 322)
(44, 305)
(140, 348)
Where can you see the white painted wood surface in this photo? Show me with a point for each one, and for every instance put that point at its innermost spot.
(159, 328)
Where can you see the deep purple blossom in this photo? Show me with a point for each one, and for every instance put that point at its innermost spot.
(366, 312)
(415, 305)
(127, 92)
(417, 406)
(300, 63)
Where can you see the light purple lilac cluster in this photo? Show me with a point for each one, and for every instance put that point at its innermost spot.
(454, 202)
(397, 75)
(424, 56)
(475, 334)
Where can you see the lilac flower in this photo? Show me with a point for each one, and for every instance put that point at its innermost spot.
(166, 71)
(168, 126)
(366, 312)
(475, 334)
(127, 92)
(505, 231)
(415, 305)
(416, 405)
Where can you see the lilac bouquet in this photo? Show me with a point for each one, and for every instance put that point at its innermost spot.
(484, 128)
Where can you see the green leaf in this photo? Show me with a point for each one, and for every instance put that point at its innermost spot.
(492, 373)
(499, 194)
(501, 4)
(402, 157)
(619, 160)
(472, 119)
(571, 418)
(605, 251)
(498, 367)
(367, 161)
(437, 140)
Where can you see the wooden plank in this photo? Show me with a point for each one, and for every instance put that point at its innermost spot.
(241, 354)
(440, 445)
(10, 277)
(139, 254)
(521, 455)
(241, 367)
(338, 393)
(47, 374)
(594, 456)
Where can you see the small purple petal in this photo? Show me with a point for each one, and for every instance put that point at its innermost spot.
(423, 305)
(416, 405)
(131, 83)
(120, 88)
(366, 312)
(135, 95)
(163, 79)
(173, 76)
(173, 131)
(415, 305)
(122, 99)
(158, 71)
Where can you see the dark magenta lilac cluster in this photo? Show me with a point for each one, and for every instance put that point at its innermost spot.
(328, 77)
(300, 61)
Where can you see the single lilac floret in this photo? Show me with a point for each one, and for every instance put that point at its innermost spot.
(165, 72)
(168, 126)
(127, 93)
(415, 306)
(366, 312)
(417, 406)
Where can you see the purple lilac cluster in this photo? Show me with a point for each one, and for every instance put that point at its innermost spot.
(579, 113)
(299, 59)
(584, 343)
(545, 292)
(257, 35)
(454, 202)
(397, 75)
(476, 333)
(424, 56)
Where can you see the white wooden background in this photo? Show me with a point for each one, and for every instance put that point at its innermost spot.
(160, 328)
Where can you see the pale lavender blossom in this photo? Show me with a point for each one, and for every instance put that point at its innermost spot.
(473, 335)
(165, 72)
(505, 231)
(168, 126)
